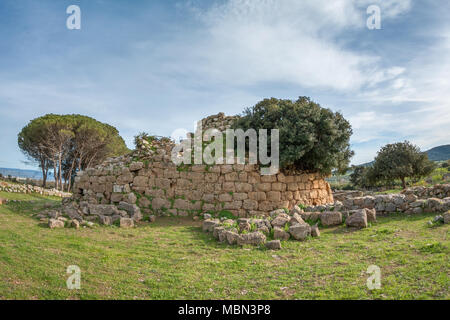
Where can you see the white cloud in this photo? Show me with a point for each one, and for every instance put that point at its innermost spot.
(295, 42)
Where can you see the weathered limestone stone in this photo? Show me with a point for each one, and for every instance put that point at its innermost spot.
(102, 209)
(232, 237)
(116, 197)
(218, 229)
(133, 210)
(72, 213)
(446, 217)
(105, 220)
(280, 220)
(331, 218)
(55, 223)
(371, 215)
(222, 235)
(253, 238)
(296, 219)
(275, 213)
(75, 224)
(244, 226)
(315, 232)
(280, 234)
(209, 225)
(358, 219)
(296, 210)
(249, 204)
(207, 216)
(273, 245)
(140, 181)
(135, 166)
(131, 198)
(158, 203)
(300, 231)
(144, 202)
(126, 223)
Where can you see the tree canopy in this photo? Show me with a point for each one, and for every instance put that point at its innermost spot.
(399, 161)
(69, 143)
(312, 138)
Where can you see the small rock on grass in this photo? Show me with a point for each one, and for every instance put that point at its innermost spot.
(126, 223)
(446, 217)
(273, 245)
(54, 223)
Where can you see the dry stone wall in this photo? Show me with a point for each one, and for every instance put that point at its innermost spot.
(149, 180)
(412, 201)
(218, 121)
(26, 188)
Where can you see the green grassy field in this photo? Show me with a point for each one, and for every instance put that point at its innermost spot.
(173, 259)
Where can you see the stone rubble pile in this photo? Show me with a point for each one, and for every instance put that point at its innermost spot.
(282, 226)
(218, 121)
(341, 195)
(410, 201)
(440, 191)
(75, 214)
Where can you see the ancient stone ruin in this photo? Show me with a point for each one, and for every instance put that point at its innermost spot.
(147, 183)
(411, 201)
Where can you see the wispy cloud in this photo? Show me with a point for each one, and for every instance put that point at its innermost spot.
(158, 66)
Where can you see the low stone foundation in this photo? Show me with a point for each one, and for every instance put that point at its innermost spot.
(434, 199)
(26, 188)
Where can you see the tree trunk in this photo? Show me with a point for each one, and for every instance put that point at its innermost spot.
(404, 183)
(44, 173)
(60, 172)
(55, 174)
(70, 175)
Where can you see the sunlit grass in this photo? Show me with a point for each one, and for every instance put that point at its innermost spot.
(173, 259)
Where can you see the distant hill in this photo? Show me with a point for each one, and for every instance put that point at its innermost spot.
(21, 173)
(440, 153)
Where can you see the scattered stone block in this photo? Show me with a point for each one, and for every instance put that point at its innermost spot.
(126, 223)
(300, 231)
(358, 219)
(280, 234)
(55, 223)
(273, 245)
(331, 218)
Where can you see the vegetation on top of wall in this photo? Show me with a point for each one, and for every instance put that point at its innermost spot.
(312, 138)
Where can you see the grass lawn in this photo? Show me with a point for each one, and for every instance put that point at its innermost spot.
(26, 197)
(173, 259)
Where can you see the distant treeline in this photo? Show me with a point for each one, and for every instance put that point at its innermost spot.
(67, 144)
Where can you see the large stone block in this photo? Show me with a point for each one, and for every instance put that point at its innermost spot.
(300, 231)
(358, 219)
(331, 218)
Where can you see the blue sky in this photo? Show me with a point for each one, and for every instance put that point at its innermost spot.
(157, 66)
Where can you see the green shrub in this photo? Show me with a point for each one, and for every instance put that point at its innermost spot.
(312, 138)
